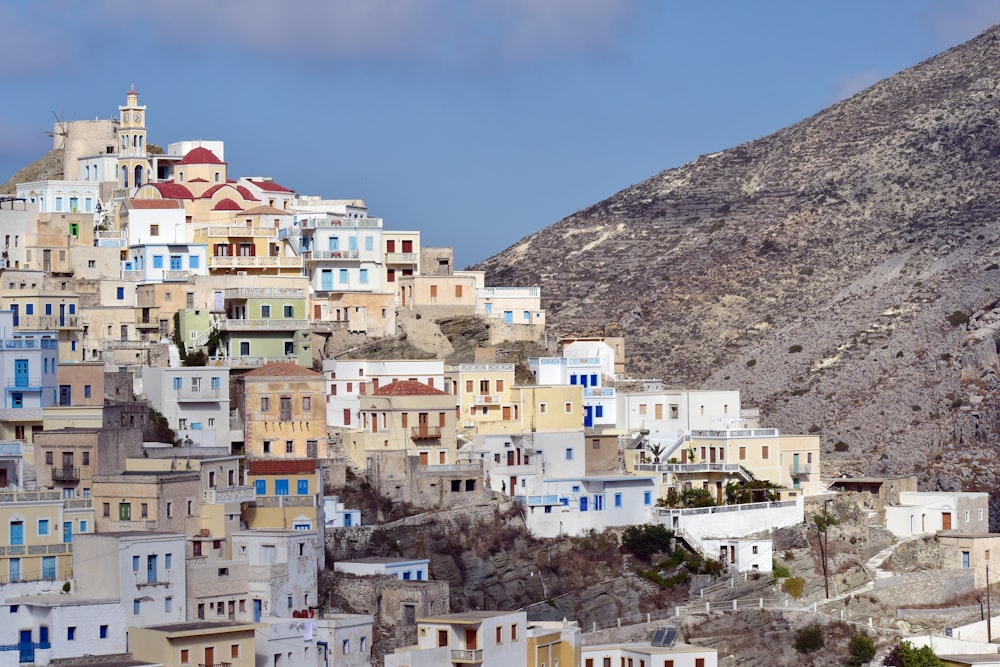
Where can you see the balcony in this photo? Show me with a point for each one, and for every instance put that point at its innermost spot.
(197, 395)
(40, 322)
(65, 474)
(234, 494)
(110, 240)
(263, 324)
(400, 258)
(174, 275)
(235, 231)
(425, 433)
(284, 501)
(10, 447)
(21, 414)
(315, 255)
(487, 399)
(31, 344)
(24, 384)
(215, 664)
(249, 362)
(113, 344)
(254, 262)
(131, 275)
(467, 655)
(325, 223)
(800, 469)
(264, 293)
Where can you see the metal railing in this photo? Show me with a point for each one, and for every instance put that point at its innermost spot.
(466, 655)
(65, 474)
(253, 261)
(48, 322)
(263, 292)
(425, 433)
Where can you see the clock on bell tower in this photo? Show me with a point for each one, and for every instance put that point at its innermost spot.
(133, 163)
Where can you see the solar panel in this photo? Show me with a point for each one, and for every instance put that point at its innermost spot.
(664, 637)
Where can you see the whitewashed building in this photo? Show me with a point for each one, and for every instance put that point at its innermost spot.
(39, 629)
(573, 506)
(348, 380)
(404, 569)
(194, 400)
(488, 638)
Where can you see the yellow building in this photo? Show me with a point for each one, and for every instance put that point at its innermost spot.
(283, 407)
(541, 408)
(554, 643)
(406, 415)
(286, 495)
(483, 393)
(195, 643)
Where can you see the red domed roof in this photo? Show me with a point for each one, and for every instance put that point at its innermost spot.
(227, 205)
(201, 156)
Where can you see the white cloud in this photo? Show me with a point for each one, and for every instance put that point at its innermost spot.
(380, 30)
(952, 22)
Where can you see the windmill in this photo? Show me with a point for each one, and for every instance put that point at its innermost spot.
(60, 129)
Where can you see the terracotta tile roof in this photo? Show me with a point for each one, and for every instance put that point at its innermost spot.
(265, 210)
(198, 180)
(227, 204)
(201, 156)
(211, 191)
(408, 388)
(281, 466)
(172, 190)
(154, 203)
(282, 369)
(271, 186)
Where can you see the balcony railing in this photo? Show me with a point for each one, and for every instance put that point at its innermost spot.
(10, 448)
(235, 494)
(264, 293)
(323, 222)
(24, 384)
(487, 399)
(689, 468)
(425, 433)
(248, 361)
(737, 433)
(131, 275)
(241, 231)
(28, 322)
(111, 242)
(205, 394)
(30, 343)
(254, 262)
(215, 664)
(466, 655)
(114, 344)
(28, 496)
(21, 414)
(174, 274)
(800, 469)
(265, 323)
(65, 474)
(330, 254)
(400, 258)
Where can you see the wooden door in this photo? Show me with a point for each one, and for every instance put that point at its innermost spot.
(470, 639)
(946, 521)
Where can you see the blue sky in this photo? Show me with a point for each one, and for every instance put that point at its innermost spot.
(476, 122)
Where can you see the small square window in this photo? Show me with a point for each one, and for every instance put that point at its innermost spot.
(103, 632)
(71, 633)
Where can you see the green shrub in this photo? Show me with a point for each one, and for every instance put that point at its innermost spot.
(794, 348)
(862, 648)
(809, 639)
(958, 318)
(644, 541)
(905, 654)
(794, 586)
(780, 571)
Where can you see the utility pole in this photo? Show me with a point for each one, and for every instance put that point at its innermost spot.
(824, 536)
(989, 614)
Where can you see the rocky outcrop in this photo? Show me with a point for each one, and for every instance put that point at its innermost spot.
(843, 272)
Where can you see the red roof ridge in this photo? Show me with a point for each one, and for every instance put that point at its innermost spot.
(282, 369)
(408, 388)
(200, 155)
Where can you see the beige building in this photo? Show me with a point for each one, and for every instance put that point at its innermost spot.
(195, 643)
(971, 551)
(284, 411)
(409, 416)
(483, 394)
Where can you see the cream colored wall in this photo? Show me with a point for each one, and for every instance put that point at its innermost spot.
(165, 648)
(305, 425)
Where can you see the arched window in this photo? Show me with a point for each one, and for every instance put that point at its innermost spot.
(138, 175)
(124, 181)
(217, 177)
(180, 177)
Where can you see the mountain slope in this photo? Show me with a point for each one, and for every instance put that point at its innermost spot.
(816, 270)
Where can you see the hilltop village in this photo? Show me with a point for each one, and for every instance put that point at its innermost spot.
(186, 389)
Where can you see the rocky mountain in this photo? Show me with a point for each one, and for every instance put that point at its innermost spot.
(844, 273)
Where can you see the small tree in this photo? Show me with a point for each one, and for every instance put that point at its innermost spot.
(905, 654)
(809, 639)
(862, 648)
(697, 498)
(644, 541)
(794, 586)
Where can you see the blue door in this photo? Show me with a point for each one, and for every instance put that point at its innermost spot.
(16, 532)
(588, 416)
(151, 569)
(583, 503)
(20, 372)
(326, 280)
(347, 519)
(508, 316)
(16, 308)
(48, 568)
(25, 648)
(67, 531)
(62, 314)
(256, 611)
(14, 569)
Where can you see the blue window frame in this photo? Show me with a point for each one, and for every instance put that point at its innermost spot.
(120, 294)
(72, 309)
(43, 527)
(363, 276)
(598, 410)
(178, 383)
(17, 533)
(352, 243)
(86, 391)
(157, 261)
(369, 243)
(103, 632)
(168, 560)
(29, 309)
(334, 243)
(216, 382)
(569, 453)
(618, 500)
(343, 276)
(647, 498)
(67, 532)
(194, 262)
(48, 568)
(281, 487)
(17, 400)
(260, 487)
(135, 607)
(48, 309)
(176, 263)
(135, 563)
(303, 487)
